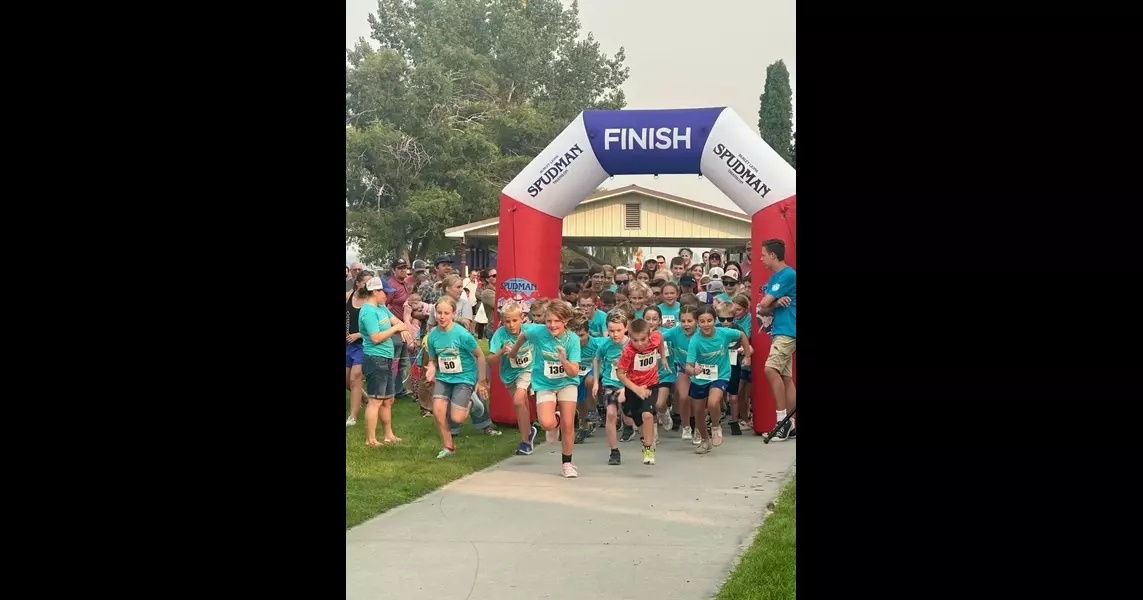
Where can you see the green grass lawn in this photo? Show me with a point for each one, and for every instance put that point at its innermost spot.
(377, 479)
(768, 570)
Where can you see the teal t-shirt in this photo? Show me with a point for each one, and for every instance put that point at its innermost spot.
(784, 283)
(598, 323)
(608, 354)
(723, 298)
(510, 368)
(711, 355)
(667, 375)
(680, 343)
(638, 313)
(452, 351)
(587, 354)
(375, 319)
(547, 371)
(670, 315)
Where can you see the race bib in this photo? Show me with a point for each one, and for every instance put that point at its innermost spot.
(450, 365)
(733, 357)
(668, 320)
(614, 373)
(645, 362)
(522, 360)
(554, 369)
(706, 372)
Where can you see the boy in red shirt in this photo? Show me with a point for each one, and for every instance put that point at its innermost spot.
(638, 370)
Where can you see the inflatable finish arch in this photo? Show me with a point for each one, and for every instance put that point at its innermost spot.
(713, 142)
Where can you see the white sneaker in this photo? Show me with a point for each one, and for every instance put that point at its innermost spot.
(670, 422)
(716, 434)
(696, 438)
(350, 422)
(686, 433)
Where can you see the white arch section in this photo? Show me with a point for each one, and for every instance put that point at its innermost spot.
(713, 142)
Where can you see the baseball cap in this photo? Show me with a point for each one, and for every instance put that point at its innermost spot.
(379, 283)
(715, 272)
(419, 265)
(622, 269)
(731, 275)
(687, 280)
(443, 258)
(400, 262)
(715, 286)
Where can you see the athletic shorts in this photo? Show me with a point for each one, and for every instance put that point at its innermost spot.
(523, 380)
(633, 406)
(700, 392)
(354, 354)
(735, 374)
(568, 393)
(457, 394)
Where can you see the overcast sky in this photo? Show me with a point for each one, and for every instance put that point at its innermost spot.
(682, 54)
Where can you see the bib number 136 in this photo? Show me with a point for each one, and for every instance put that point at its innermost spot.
(554, 369)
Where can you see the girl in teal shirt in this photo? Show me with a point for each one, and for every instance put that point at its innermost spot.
(455, 365)
(708, 364)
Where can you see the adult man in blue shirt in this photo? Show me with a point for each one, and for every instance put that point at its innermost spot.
(779, 298)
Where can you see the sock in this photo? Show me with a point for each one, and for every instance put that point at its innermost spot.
(450, 449)
(646, 447)
(567, 458)
(781, 415)
(615, 450)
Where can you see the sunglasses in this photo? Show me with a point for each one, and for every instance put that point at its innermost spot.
(492, 274)
(726, 319)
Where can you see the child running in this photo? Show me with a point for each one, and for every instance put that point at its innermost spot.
(585, 406)
(726, 319)
(708, 364)
(639, 294)
(605, 366)
(455, 365)
(679, 338)
(555, 371)
(596, 319)
(744, 321)
(516, 373)
(662, 389)
(639, 372)
(670, 306)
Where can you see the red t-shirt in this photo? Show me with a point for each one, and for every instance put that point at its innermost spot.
(642, 367)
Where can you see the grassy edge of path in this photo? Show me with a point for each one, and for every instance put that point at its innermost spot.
(768, 570)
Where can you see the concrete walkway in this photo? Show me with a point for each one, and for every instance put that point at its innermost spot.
(520, 531)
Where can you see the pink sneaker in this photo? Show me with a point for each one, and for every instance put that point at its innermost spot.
(569, 470)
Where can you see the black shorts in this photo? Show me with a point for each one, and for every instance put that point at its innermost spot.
(735, 376)
(633, 405)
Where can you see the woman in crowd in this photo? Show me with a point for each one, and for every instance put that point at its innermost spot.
(354, 348)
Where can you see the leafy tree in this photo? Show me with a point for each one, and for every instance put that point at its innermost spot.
(776, 113)
(456, 99)
(794, 150)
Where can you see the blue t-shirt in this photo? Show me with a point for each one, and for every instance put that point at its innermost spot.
(548, 372)
(670, 315)
(711, 355)
(375, 319)
(608, 354)
(784, 283)
(587, 354)
(598, 323)
(453, 350)
(510, 368)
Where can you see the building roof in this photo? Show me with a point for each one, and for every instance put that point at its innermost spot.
(460, 230)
